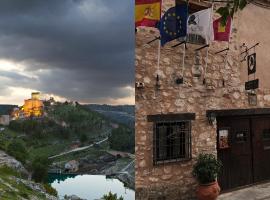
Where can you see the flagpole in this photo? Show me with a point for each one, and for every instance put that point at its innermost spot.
(183, 59)
(207, 51)
(159, 42)
(226, 58)
(158, 61)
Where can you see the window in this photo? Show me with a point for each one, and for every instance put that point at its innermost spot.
(172, 141)
(241, 136)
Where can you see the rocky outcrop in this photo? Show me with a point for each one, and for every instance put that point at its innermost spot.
(37, 187)
(6, 160)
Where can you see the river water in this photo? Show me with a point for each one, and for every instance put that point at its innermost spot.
(89, 187)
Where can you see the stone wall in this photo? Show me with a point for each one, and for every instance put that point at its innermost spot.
(223, 89)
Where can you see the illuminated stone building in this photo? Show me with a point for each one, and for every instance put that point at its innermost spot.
(33, 107)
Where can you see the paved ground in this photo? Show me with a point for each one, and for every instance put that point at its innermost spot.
(257, 192)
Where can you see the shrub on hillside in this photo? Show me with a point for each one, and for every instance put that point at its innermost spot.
(122, 139)
(18, 150)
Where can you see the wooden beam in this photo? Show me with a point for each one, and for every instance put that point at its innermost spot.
(238, 112)
(171, 117)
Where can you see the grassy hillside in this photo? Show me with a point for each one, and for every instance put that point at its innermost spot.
(63, 126)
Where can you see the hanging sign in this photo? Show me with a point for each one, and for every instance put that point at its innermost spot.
(252, 85)
(251, 61)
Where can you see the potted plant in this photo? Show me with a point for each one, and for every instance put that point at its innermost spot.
(206, 171)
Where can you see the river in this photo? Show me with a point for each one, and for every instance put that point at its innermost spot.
(89, 187)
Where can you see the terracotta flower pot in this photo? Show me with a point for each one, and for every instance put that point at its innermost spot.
(208, 191)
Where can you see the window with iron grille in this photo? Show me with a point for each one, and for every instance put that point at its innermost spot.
(172, 141)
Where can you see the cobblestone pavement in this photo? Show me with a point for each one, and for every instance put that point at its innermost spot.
(256, 192)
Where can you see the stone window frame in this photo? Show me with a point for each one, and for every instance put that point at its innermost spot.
(173, 118)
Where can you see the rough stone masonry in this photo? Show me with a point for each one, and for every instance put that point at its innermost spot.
(223, 89)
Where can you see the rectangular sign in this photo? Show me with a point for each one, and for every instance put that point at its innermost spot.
(223, 139)
(252, 85)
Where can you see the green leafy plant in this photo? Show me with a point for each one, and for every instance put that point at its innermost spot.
(206, 168)
(230, 9)
(111, 196)
(17, 149)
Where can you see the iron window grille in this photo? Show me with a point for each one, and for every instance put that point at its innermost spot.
(172, 141)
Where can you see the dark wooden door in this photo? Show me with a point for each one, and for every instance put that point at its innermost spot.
(261, 148)
(237, 158)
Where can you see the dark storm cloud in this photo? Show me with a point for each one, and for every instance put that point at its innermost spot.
(82, 48)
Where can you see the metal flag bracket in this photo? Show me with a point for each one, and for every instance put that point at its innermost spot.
(200, 48)
(218, 52)
(246, 51)
(156, 38)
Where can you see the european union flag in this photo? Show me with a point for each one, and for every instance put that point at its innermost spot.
(173, 23)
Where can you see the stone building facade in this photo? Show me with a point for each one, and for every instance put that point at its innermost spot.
(223, 89)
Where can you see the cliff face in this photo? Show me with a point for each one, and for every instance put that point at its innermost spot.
(13, 186)
(6, 160)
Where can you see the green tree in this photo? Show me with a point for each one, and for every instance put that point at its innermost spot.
(40, 167)
(122, 139)
(83, 138)
(112, 196)
(231, 8)
(18, 150)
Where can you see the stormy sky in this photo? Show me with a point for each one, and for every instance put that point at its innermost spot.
(81, 50)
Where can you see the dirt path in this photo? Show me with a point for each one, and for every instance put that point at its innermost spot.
(78, 149)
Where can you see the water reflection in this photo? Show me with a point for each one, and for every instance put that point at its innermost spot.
(89, 187)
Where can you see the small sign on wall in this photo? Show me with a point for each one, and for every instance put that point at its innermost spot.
(223, 140)
(251, 59)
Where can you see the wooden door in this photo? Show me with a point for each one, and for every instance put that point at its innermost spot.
(261, 148)
(237, 158)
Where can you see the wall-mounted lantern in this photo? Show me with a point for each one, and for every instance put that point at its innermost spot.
(211, 118)
(179, 80)
(197, 67)
(157, 82)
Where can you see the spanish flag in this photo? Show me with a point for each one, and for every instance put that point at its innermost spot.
(147, 12)
(222, 33)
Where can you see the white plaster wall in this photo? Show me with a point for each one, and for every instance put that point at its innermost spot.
(254, 26)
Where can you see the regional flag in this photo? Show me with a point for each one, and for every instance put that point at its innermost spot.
(173, 23)
(222, 33)
(200, 26)
(147, 12)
